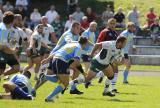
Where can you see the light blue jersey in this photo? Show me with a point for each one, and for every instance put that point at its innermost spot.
(91, 37)
(66, 37)
(4, 33)
(69, 51)
(129, 35)
(20, 78)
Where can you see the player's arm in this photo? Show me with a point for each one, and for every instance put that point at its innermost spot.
(53, 37)
(46, 46)
(44, 61)
(95, 48)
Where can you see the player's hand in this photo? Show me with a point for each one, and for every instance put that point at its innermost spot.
(45, 61)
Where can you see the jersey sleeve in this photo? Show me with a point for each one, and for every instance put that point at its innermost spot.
(51, 29)
(77, 53)
(101, 37)
(105, 45)
(13, 79)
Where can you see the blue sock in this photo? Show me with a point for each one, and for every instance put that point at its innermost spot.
(73, 87)
(125, 75)
(57, 90)
(20, 92)
(52, 78)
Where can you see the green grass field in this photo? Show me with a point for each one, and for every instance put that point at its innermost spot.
(143, 92)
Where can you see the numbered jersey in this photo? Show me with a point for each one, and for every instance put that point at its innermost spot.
(108, 53)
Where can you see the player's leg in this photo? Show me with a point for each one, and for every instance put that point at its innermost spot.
(74, 89)
(127, 64)
(30, 64)
(37, 62)
(16, 91)
(110, 75)
(13, 63)
(63, 77)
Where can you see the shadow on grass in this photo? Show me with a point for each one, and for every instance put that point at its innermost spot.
(128, 93)
(133, 84)
(118, 100)
(68, 102)
(85, 98)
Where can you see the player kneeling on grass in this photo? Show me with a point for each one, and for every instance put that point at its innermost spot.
(60, 65)
(18, 87)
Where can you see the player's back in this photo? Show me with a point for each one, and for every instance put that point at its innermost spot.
(69, 51)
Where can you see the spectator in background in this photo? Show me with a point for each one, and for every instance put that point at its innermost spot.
(78, 14)
(20, 10)
(8, 7)
(106, 15)
(109, 32)
(90, 14)
(1, 15)
(1, 1)
(1, 6)
(151, 16)
(155, 31)
(23, 3)
(84, 22)
(51, 14)
(72, 4)
(35, 18)
(68, 23)
(133, 16)
(58, 27)
(120, 18)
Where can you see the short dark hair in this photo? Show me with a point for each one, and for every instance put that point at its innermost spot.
(27, 74)
(82, 40)
(121, 39)
(8, 17)
(75, 23)
(39, 25)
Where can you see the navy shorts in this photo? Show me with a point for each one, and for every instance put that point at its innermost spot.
(86, 58)
(60, 67)
(7, 59)
(18, 96)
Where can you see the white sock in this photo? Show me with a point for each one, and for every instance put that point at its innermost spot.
(80, 79)
(43, 68)
(114, 80)
(36, 75)
(99, 74)
(107, 83)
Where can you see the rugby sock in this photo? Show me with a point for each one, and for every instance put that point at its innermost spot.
(125, 75)
(79, 80)
(114, 80)
(99, 74)
(55, 92)
(107, 83)
(52, 78)
(19, 91)
(73, 87)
